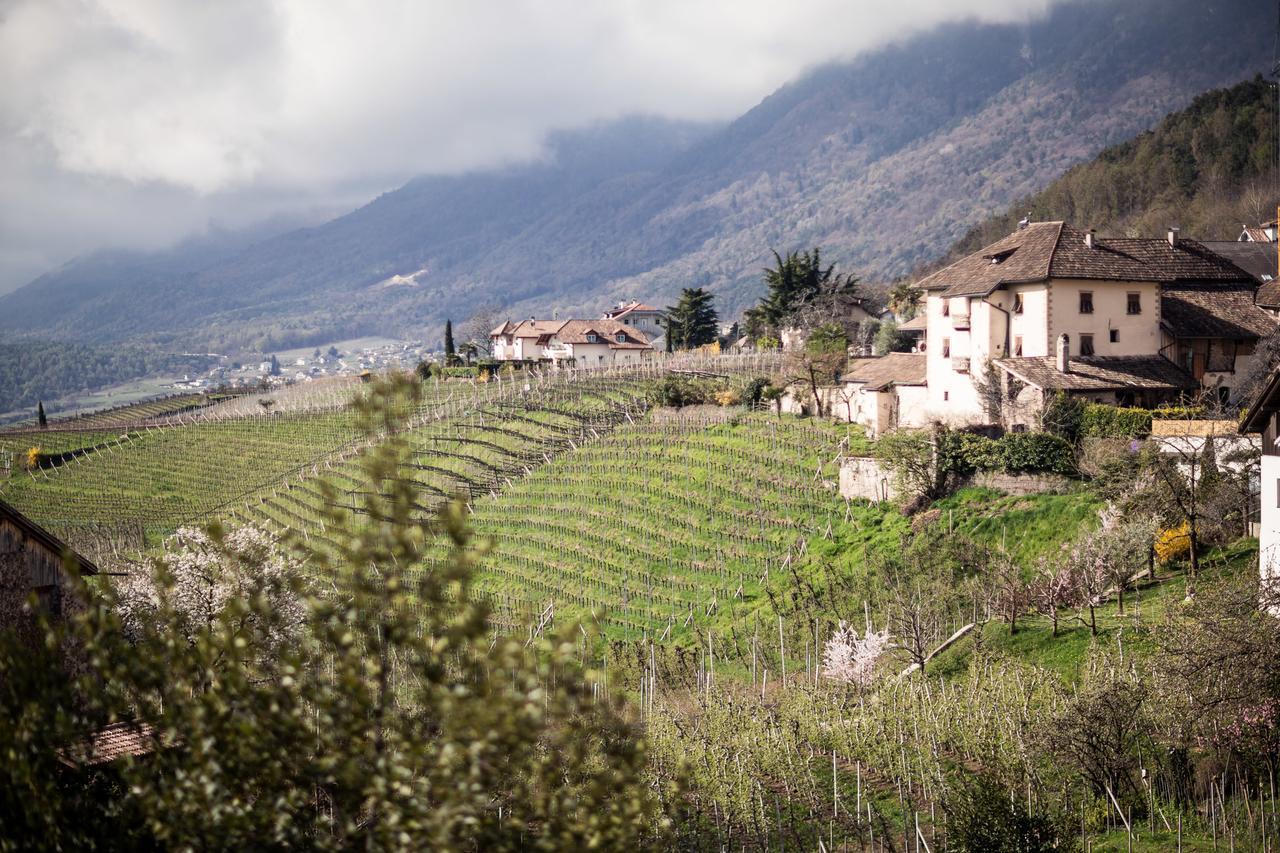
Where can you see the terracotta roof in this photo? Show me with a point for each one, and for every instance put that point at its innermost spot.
(918, 323)
(109, 744)
(536, 328)
(507, 326)
(623, 310)
(895, 368)
(1100, 373)
(44, 537)
(1257, 259)
(1213, 311)
(1044, 250)
(576, 331)
(1256, 234)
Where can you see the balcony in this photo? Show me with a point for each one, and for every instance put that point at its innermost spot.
(960, 322)
(960, 363)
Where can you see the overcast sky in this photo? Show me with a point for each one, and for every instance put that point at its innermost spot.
(135, 123)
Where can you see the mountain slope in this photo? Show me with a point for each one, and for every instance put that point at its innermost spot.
(884, 161)
(1209, 169)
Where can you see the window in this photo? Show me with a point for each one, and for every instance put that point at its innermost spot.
(1224, 395)
(946, 307)
(1017, 345)
(1278, 494)
(1017, 303)
(1114, 336)
(1135, 303)
(622, 337)
(1086, 302)
(946, 347)
(591, 338)
(1086, 344)
(946, 395)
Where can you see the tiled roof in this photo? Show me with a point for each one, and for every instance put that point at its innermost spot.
(1263, 406)
(1213, 311)
(918, 323)
(623, 310)
(1044, 250)
(1257, 259)
(895, 368)
(1268, 296)
(1100, 373)
(576, 331)
(506, 327)
(1256, 234)
(113, 742)
(537, 328)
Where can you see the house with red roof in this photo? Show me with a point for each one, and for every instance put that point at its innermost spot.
(577, 343)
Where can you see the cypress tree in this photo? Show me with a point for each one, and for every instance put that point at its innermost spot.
(449, 352)
(44, 422)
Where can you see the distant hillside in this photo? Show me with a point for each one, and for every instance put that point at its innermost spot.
(884, 162)
(1208, 169)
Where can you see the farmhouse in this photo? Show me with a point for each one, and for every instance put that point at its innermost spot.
(580, 343)
(883, 393)
(1053, 308)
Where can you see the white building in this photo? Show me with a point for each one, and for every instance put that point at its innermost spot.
(883, 393)
(581, 343)
(1264, 417)
(643, 318)
(1120, 320)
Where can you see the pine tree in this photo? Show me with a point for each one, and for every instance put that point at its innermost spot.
(801, 292)
(275, 366)
(40, 416)
(692, 321)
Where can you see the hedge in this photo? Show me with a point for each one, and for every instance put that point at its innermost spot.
(1014, 453)
(1102, 421)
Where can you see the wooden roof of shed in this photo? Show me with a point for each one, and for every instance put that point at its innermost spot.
(10, 513)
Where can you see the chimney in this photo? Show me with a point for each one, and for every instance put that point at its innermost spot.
(1173, 235)
(1064, 353)
(1089, 237)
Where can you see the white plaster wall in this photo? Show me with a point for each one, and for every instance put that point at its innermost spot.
(1033, 323)
(1139, 334)
(1269, 528)
(913, 405)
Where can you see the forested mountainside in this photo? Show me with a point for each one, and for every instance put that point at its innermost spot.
(884, 161)
(1207, 169)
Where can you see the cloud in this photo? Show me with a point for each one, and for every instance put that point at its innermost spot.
(179, 111)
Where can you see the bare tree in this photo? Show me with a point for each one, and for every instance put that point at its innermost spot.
(1054, 588)
(1011, 593)
(477, 328)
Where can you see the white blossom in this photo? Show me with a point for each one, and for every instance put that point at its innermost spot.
(850, 659)
(206, 575)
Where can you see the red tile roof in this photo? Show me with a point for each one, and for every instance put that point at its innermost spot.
(109, 744)
(576, 331)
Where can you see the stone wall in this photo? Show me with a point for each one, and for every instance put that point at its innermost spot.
(866, 478)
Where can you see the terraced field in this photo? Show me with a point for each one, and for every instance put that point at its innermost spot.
(658, 527)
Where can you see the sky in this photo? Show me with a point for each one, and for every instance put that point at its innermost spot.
(138, 123)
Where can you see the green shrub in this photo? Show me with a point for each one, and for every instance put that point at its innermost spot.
(1062, 415)
(754, 392)
(1036, 451)
(1167, 413)
(678, 391)
(458, 372)
(1015, 453)
(1102, 421)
